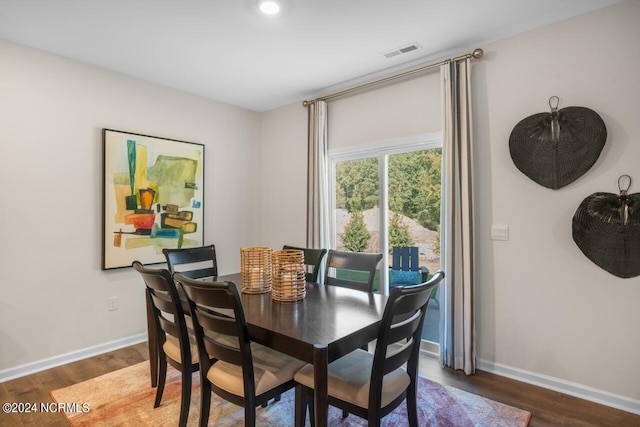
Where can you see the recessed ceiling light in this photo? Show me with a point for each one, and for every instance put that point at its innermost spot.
(269, 7)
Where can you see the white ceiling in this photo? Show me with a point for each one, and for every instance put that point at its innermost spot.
(225, 50)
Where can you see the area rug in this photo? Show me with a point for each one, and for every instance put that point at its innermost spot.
(125, 397)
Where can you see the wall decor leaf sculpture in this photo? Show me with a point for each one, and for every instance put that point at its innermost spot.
(558, 147)
(606, 228)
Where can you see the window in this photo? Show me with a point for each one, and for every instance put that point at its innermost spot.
(388, 194)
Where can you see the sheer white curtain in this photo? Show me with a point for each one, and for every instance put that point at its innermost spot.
(458, 342)
(318, 179)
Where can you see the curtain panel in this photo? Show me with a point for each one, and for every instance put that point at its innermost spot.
(318, 179)
(457, 325)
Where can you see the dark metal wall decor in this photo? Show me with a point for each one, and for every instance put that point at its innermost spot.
(554, 149)
(606, 228)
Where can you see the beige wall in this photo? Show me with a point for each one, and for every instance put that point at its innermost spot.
(543, 307)
(283, 182)
(53, 297)
(546, 314)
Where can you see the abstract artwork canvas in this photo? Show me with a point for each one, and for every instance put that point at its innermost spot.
(153, 197)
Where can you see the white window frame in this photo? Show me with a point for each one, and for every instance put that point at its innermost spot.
(381, 150)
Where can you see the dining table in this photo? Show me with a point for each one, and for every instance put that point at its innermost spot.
(328, 323)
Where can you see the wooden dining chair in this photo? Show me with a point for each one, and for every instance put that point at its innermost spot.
(172, 334)
(372, 385)
(312, 259)
(245, 373)
(352, 266)
(195, 263)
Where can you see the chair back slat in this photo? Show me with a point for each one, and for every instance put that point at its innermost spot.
(198, 273)
(222, 351)
(352, 262)
(312, 260)
(219, 323)
(399, 357)
(396, 258)
(194, 263)
(404, 327)
(214, 325)
(351, 284)
(163, 301)
(170, 327)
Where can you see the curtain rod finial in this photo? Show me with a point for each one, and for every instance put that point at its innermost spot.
(477, 53)
(305, 104)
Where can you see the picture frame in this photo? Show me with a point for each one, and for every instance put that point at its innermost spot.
(153, 197)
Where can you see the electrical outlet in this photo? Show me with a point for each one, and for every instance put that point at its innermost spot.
(112, 303)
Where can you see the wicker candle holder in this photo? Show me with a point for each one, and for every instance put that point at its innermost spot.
(255, 270)
(289, 282)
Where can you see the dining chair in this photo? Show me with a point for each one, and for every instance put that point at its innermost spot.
(193, 262)
(352, 266)
(312, 259)
(245, 373)
(173, 336)
(372, 385)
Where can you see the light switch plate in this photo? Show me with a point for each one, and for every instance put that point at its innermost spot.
(499, 232)
(112, 303)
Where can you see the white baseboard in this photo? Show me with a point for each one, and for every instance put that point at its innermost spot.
(573, 389)
(62, 359)
(431, 349)
(567, 387)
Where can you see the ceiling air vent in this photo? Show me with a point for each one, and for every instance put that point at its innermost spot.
(401, 50)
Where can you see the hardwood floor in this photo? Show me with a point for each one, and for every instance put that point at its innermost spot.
(35, 388)
(549, 408)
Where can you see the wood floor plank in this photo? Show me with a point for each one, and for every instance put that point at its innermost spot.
(549, 408)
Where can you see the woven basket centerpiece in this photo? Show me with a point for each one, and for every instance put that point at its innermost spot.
(255, 270)
(288, 275)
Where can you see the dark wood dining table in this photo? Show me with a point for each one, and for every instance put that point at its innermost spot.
(327, 324)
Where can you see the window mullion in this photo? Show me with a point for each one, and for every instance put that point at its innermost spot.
(383, 178)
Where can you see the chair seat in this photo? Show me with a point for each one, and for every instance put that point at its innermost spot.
(349, 379)
(171, 348)
(270, 367)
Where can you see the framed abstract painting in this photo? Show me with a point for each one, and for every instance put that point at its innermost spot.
(153, 197)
